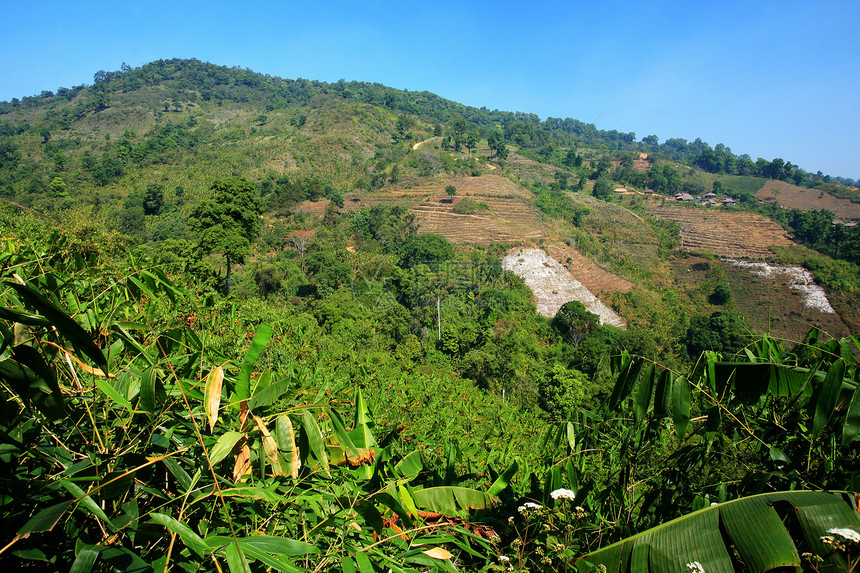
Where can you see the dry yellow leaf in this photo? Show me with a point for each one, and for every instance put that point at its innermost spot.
(242, 467)
(438, 553)
(212, 395)
(269, 446)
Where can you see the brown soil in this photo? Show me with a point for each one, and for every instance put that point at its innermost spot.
(727, 233)
(768, 303)
(793, 197)
(586, 271)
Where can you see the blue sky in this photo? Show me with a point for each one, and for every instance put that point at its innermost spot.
(766, 78)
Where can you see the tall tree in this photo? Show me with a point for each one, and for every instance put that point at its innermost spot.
(227, 222)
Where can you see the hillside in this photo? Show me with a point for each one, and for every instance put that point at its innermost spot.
(257, 322)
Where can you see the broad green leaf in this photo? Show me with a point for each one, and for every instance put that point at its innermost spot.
(643, 396)
(681, 406)
(503, 480)
(451, 500)
(852, 419)
(243, 380)
(147, 390)
(828, 396)
(315, 439)
(755, 528)
(663, 395)
(410, 466)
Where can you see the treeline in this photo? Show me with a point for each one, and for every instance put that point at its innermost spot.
(541, 138)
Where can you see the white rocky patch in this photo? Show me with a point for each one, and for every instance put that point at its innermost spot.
(798, 278)
(553, 285)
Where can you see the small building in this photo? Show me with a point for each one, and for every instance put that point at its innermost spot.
(709, 195)
(728, 202)
(684, 197)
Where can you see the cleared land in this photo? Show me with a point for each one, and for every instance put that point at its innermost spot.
(732, 234)
(771, 301)
(793, 197)
(553, 285)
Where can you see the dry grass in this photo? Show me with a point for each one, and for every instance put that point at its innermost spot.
(793, 197)
(726, 233)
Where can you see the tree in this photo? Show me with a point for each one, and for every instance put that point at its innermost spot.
(602, 188)
(227, 222)
(153, 199)
(451, 191)
(58, 187)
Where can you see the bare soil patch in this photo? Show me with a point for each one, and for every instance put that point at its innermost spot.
(734, 234)
(793, 197)
(767, 300)
(553, 285)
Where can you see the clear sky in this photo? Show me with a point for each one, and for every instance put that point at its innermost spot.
(767, 78)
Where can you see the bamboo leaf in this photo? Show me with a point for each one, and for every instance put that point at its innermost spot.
(242, 465)
(147, 390)
(62, 322)
(191, 540)
(212, 395)
(224, 446)
(270, 446)
(45, 520)
(236, 560)
(88, 502)
(243, 380)
(85, 559)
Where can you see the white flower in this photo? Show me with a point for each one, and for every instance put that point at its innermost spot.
(845, 533)
(695, 567)
(563, 494)
(504, 558)
(527, 507)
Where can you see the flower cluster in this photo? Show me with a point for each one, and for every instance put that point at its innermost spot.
(695, 567)
(563, 494)
(528, 507)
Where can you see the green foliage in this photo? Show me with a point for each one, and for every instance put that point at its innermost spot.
(470, 206)
(228, 221)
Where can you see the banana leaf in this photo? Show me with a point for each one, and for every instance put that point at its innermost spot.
(754, 529)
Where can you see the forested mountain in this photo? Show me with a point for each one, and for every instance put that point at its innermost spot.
(264, 324)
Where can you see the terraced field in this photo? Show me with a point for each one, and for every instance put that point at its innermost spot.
(793, 197)
(727, 233)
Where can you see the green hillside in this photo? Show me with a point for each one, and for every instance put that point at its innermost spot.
(252, 323)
